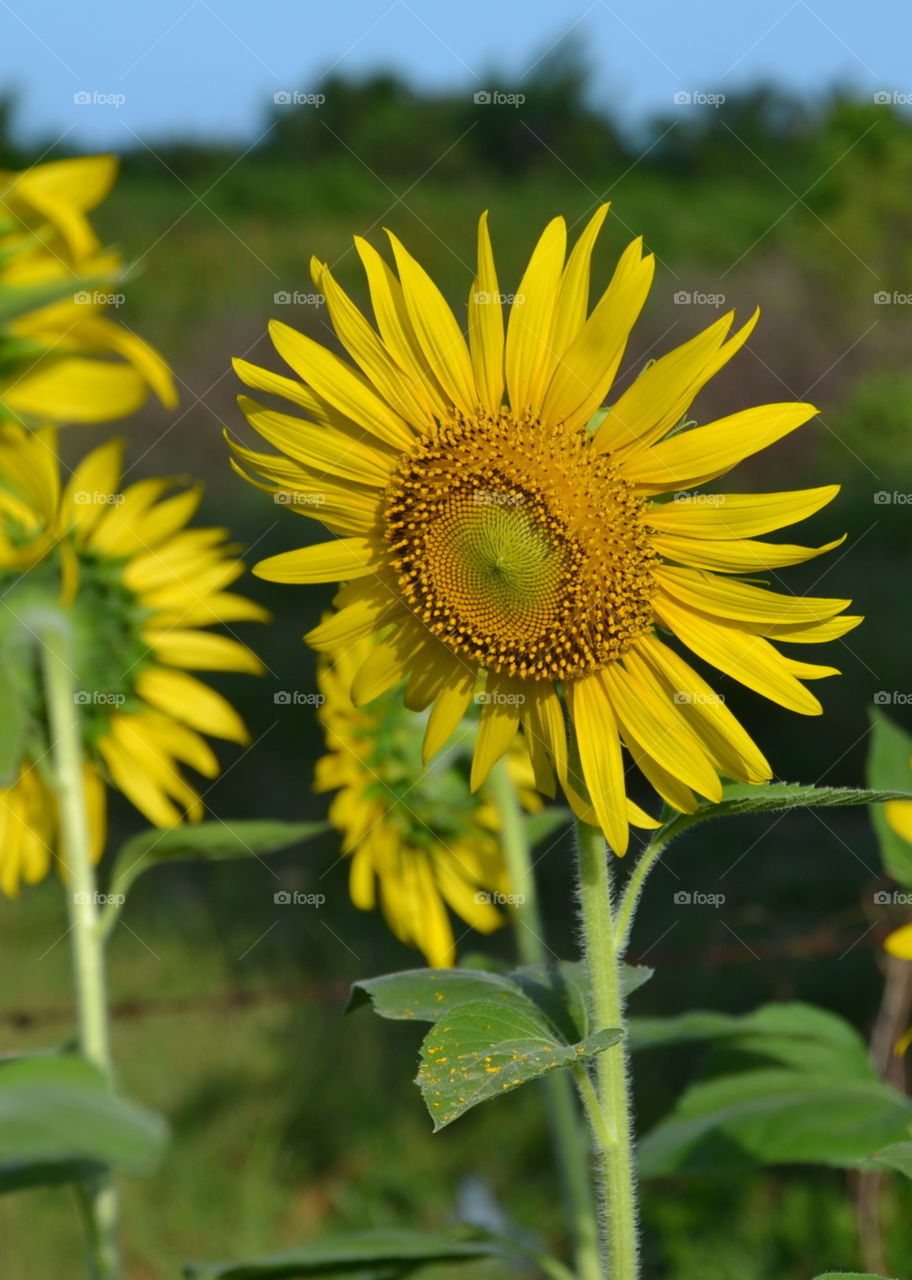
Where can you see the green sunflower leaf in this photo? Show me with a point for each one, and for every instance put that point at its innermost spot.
(808, 1094)
(791, 1035)
(60, 1121)
(213, 841)
(492, 1031)
(776, 797)
(898, 1157)
(776, 1117)
(376, 1255)
(489, 1047)
(558, 990)
(888, 766)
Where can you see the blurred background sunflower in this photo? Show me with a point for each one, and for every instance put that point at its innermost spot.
(136, 588)
(63, 359)
(418, 840)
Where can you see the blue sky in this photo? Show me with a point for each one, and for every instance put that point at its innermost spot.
(209, 68)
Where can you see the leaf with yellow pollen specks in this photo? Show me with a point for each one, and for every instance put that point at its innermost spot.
(493, 1031)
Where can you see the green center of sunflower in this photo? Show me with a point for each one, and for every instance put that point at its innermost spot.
(430, 806)
(521, 548)
(105, 619)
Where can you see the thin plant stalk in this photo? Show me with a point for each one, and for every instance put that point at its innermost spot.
(602, 946)
(567, 1130)
(98, 1196)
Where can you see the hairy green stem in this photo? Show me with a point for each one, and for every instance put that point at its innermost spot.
(627, 904)
(100, 1196)
(567, 1130)
(603, 964)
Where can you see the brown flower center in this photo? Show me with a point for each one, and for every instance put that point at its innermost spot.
(519, 548)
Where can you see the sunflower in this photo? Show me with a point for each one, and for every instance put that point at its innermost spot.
(488, 515)
(55, 283)
(898, 814)
(419, 838)
(136, 587)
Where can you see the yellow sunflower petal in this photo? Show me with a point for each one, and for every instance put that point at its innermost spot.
(192, 703)
(389, 662)
(738, 555)
(325, 562)
(449, 707)
(751, 660)
(693, 457)
(396, 329)
(600, 757)
(655, 725)
(341, 385)
(115, 533)
(899, 815)
(727, 744)
(435, 672)
(588, 366)
(141, 790)
(370, 354)
(543, 717)
(201, 651)
(743, 602)
(94, 479)
(77, 389)
(662, 394)
(354, 621)
(500, 716)
(737, 515)
(486, 325)
(436, 329)
(899, 943)
(529, 357)
(667, 785)
(573, 304)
